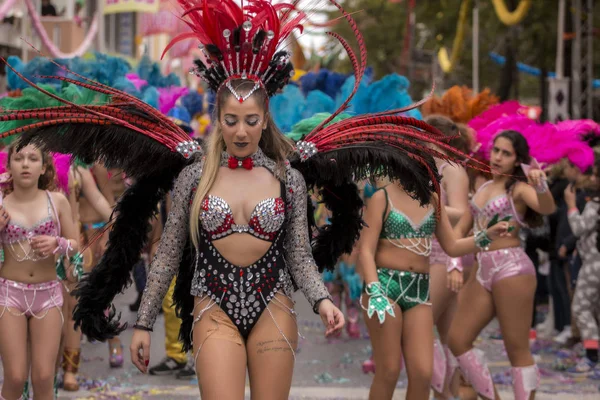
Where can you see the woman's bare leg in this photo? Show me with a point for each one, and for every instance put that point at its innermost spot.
(386, 340)
(270, 354)
(514, 301)
(13, 351)
(71, 343)
(220, 355)
(417, 346)
(475, 311)
(45, 341)
(440, 297)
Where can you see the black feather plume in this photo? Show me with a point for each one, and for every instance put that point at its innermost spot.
(358, 162)
(214, 52)
(338, 237)
(112, 275)
(333, 173)
(136, 154)
(183, 301)
(258, 40)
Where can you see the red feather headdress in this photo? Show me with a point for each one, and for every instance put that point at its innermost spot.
(241, 41)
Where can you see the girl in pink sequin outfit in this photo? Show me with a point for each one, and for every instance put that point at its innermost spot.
(36, 226)
(506, 279)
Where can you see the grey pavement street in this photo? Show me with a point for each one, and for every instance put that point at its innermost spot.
(324, 369)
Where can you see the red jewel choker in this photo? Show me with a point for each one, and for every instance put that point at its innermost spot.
(234, 163)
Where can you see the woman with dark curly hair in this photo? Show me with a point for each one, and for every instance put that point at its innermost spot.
(506, 277)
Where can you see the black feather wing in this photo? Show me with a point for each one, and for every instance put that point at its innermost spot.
(112, 275)
(334, 173)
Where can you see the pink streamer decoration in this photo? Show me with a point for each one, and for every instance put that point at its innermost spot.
(55, 51)
(5, 7)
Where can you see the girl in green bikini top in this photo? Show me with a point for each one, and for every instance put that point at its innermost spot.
(398, 226)
(393, 255)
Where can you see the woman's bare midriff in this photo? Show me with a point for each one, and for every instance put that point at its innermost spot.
(241, 249)
(87, 213)
(507, 242)
(28, 271)
(391, 257)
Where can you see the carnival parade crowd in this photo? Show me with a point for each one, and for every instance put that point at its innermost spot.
(422, 221)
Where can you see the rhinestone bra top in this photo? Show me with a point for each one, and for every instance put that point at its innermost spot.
(14, 232)
(265, 221)
(502, 205)
(398, 225)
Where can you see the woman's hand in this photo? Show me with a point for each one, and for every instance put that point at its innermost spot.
(44, 245)
(4, 218)
(569, 195)
(536, 178)
(332, 317)
(562, 251)
(454, 280)
(500, 230)
(140, 349)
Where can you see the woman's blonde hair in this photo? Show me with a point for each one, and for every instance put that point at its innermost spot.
(273, 143)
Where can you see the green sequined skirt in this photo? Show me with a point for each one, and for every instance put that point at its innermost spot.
(406, 289)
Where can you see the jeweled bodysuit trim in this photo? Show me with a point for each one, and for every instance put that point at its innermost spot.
(242, 292)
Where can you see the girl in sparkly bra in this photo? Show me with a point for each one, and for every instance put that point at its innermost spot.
(36, 226)
(506, 278)
(394, 251)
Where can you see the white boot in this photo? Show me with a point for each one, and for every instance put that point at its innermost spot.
(563, 336)
(546, 329)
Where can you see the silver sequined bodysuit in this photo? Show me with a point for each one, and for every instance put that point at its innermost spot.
(289, 260)
(242, 292)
